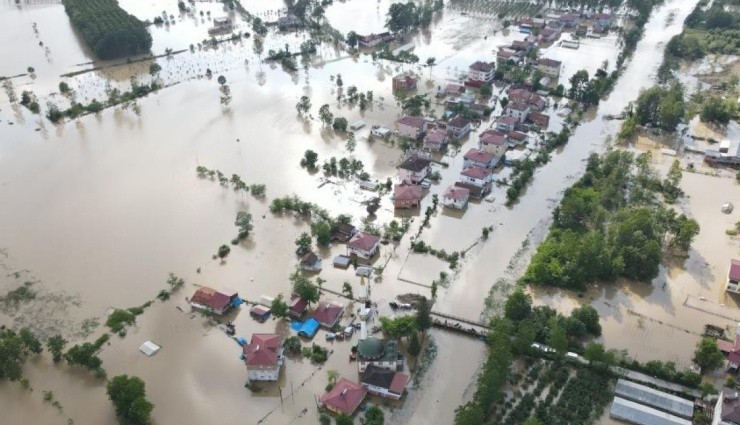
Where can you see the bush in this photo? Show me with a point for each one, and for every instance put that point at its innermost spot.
(109, 30)
(119, 319)
(128, 395)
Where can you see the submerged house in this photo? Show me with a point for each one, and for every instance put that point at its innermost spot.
(733, 277)
(411, 127)
(456, 197)
(264, 357)
(436, 140)
(211, 300)
(383, 382)
(364, 245)
(406, 196)
(328, 313)
(345, 397)
(311, 262)
(405, 81)
(414, 169)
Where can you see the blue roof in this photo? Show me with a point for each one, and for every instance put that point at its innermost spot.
(307, 328)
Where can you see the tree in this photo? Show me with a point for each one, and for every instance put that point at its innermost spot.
(340, 124)
(486, 91)
(351, 143)
(244, 223)
(374, 416)
(578, 85)
(29, 341)
(344, 419)
(504, 101)
(402, 17)
(128, 395)
(279, 308)
(221, 80)
(717, 110)
(223, 251)
(324, 419)
(347, 290)
(557, 339)
(518, 305)
(56, 344)
(352, 39)
(84, 355)
(431, 62)
(414, 347)
(63, 88)
(532, 421)
(399, 327)
(469, 414)
(594, 352)
(303, 243)
(11, 355)
(434, 290)
(303, 105)
(325, 114)
(707, 355)
(154, 69)
(589, 317)
(303, 287)
(423, 316)
(309, 159)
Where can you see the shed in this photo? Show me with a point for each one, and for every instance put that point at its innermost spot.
(364, 271)
(259, 313)
(357, 125)
(149, 348)
(658, 399)
(636, 413)
(341, 261)
(307, 328)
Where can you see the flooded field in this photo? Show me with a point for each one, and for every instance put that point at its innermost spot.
(97, 211)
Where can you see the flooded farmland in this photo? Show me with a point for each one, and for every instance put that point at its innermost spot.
(98, 210)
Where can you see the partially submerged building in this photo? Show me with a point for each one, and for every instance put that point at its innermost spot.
(345, 397)
(384, 382)
(214, 301)
(364, 245)
(328, 313)
(264, 357)
(380, 353)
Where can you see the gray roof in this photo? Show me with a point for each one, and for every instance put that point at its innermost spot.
(635, 413)
(654, 398)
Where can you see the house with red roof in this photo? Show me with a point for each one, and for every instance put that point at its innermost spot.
(540, 120)
(731, 350)
(297, 307)
(493, 142)
(479, 158)
(364, 245)
(328, 313)
(411, 127)
(345, 397)
(436, 140)
(458, 127)
(733, 277)
(213, 301)
(477, 176)
(383, 382)
(405, 81)
(406, 195)
(727, 409)
(506, 124)
(264, 357)
(456, 197)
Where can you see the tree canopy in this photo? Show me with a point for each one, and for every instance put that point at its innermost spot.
(128, 395)
(707, 355)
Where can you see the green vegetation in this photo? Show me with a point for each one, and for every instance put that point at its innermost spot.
(15, 297)
(610, 224)
(323, 224)
(715, 109)
(374, 416)
(279, 308)
(14, 349)
(55, 344)
(661, 107)
(403, 17)
(304, 288)
(292, 345)
(109, 30)
(128, 395)
(309, 159)
(707, 355)
(316, 353)
(86, 355)
(119, 319)
(258, 190)
(451, 258)
(244, 223)
(29, 100)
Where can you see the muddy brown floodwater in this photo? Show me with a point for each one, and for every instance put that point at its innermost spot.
(98, 211)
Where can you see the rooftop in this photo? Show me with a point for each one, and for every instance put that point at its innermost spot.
(407, 192)
(346, 396)
(730, 405)
(374, 349)
(476, 172)
(734, 272)
(417, 122)
(550, 63)
(642, 415)
(384, 378)
(481, 66)
(654, 398)
(507, 120)
(415, 164)
(262, 350)
(363, 241)
(327, 313)
(479, 156)
(458, 122)
(436, 136)
(457, 193)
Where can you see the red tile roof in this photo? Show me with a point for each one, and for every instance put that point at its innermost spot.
(476, 172)
(412, 121)
(436, 136)
(298, 305)
(550, 63)
(327, 313)
(493, 139)
(481, 66)
(407, 192)
(345, 397)
(399, 383)
(212, 298)
(734, 272)
(507, 120)
(457, 193)
(363, 241)
(458, 122)
(479, 156)
(262, 350)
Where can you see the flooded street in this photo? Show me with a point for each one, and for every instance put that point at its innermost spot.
(97, 211)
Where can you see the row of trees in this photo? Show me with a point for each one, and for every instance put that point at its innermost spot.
(610, 224)
(109, 30)
(403, 17)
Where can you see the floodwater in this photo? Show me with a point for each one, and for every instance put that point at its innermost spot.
(98, 211)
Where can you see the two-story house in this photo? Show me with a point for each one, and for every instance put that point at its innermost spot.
(506, 124)
(405, 81)
(411, 127)
(414, 169)
(364, 245)
(459, 127)
(733, 277)
(383, 382)
(477, 176)
(479, 158)
(518, 110)
(549, 67)
(263, 357)
(456, 197)
(493, 142)
(481, 71)
(436, 140)
(380, 353)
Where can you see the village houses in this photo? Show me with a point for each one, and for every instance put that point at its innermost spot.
(477, 176)
(328, 313)
(459, 127)
(406, 195)
(213, 301)
(414, 169)
(411, 127)
(364, 245)
(481, 71)
(549, 67)
(406, 81)
(493, 142)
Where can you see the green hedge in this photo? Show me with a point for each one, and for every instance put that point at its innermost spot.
(109, 30)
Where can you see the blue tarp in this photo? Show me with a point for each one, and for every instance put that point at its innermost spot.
(241, 341)
(237, 302)
(307, 328)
